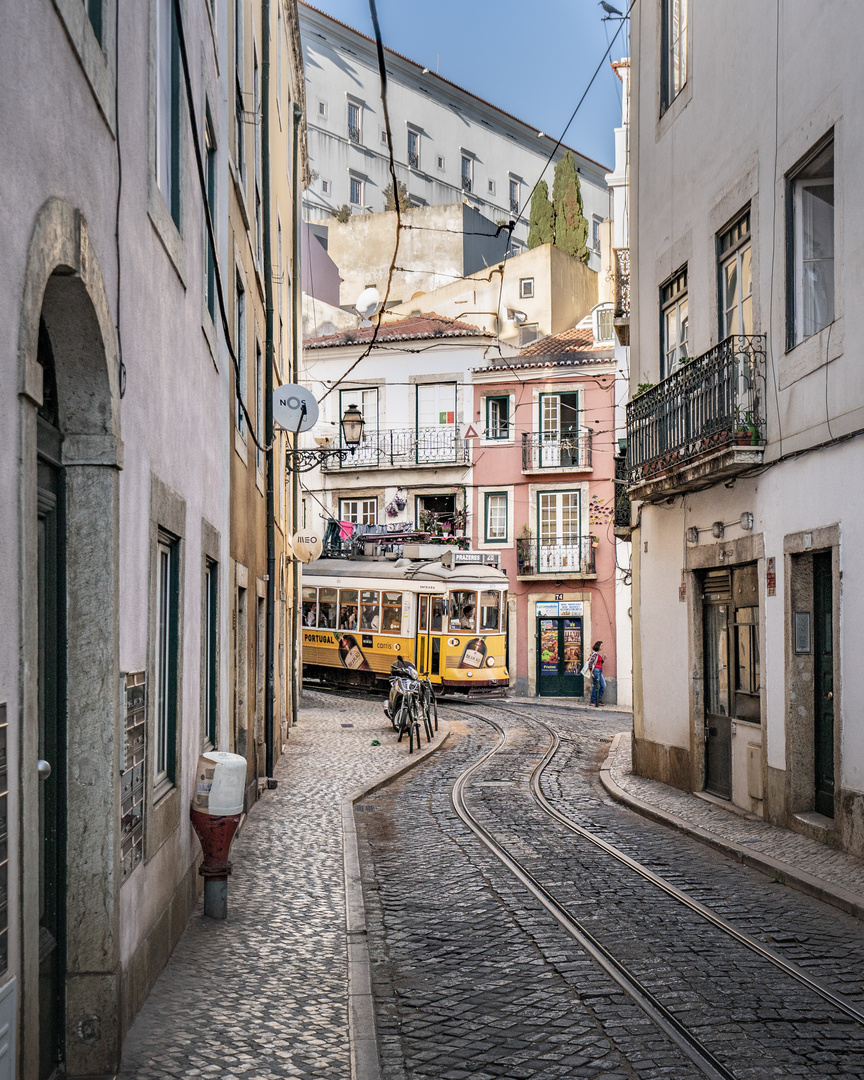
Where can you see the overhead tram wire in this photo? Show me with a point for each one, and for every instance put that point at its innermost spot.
(382, 74)
(211, 236)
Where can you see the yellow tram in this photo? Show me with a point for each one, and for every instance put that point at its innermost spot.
(448, 616)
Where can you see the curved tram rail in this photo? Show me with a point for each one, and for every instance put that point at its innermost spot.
(679, 1034)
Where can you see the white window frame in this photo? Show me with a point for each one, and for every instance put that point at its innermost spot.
(441, 162)
(674, 312)
(606, 314)
(413, 135)
(323, 111)
(359, 511)
(799, 330)
(352, 180)
(166, 697)
(737, 253)
(466, 173)
(502, 515)
(526, 288)
(675, 34)
(515, 185)
(490, 187)
(354, 106)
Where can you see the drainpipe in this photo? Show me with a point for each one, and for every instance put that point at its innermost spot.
(296, 325)
(269, 647)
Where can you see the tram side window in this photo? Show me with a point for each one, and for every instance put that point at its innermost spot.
(490, 610)
(463, 611)
(327, 608)
(423, 614)
(369, 615)
(439, 613)
(347, 609)
(310, 606)
(391, 612)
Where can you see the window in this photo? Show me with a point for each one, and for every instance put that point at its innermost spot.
(391, 612)
(210, 174)
(256, 115)
(440, 163)
(490, 186)
(603, 326)
(559, 431)
(370, 610)
(497, 417)
(309, 614)
(674, 59)
(327, 608)
(413, 149)
(210, 649)
(514, 196)
(259, 404)
(322, 110)
(434, 512)
(436, 405)
(811, 276)
(528, 332)
(166, 653)
(495, 517)
(356, 193)
(168, 107)
(463, 610)
(490, 610)
(359, 511)
(326, 187)
(239, 111)
(240, 351)
(384, 137)
(736, 278)
(595, 234)
(367, 402)
(674, 321)
(526, 288)
(467, 173)
(353, 122)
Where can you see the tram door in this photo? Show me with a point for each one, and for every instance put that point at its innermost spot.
(559, 658)
(424, 650)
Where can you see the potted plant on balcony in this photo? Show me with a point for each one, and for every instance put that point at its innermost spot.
(524, 556)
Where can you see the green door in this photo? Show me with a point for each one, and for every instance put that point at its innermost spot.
(51, 763)
(823, 645)
(559, 658)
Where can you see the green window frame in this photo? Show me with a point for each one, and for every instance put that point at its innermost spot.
(502, 513)
(498, 416)
(167, 647)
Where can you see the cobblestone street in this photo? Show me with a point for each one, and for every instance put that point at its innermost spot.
(264, 995)
(470, 975)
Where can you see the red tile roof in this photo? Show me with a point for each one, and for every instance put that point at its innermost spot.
(571, 347)
(413, 328)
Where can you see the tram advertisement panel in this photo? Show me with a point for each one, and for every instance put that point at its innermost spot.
(548, 646)
(357, 652)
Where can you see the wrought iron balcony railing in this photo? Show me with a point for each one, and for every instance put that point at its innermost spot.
(571, 556)
(541, 451)
(622, 499)
(715, 400)
(413, 160)
(622, 283)
(394, 448)
(353, 133)
(466, 183)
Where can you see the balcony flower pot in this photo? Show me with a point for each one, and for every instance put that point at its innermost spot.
(742, 437)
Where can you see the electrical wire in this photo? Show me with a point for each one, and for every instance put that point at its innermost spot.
(211, 235)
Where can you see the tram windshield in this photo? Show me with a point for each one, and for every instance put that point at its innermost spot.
(463, 610)
(310, 606)
(327, 608)
(490, 610)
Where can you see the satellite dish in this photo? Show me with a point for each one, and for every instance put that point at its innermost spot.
(367, 303)
(294, 407)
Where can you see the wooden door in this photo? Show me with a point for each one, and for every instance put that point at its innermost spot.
(823, 648)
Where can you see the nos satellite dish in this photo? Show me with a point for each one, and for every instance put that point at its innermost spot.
(367, 303)
(294, 407)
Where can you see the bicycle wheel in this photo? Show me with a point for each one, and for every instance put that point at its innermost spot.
(433, 705)
(404, 718)
(415, 729)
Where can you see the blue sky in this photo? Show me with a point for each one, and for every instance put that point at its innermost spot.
(532, 59)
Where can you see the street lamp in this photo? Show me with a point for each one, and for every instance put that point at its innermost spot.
(351, 425)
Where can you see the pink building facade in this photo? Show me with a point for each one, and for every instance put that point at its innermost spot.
(543, 496)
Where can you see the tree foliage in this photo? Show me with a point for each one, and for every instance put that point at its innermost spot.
(571, 225)
(343, 214)
(404, 197)
(541, 217)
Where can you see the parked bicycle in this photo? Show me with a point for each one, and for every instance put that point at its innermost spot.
(411, 703)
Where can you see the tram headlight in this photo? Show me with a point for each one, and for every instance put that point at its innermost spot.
(490, 661)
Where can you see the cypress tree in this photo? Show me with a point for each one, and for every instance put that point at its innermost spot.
(571, 225)
(541, 217)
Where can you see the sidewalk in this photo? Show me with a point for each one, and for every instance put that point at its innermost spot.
(281, 988)
(797, 861)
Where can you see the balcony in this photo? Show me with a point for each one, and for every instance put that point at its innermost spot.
(702, 424)
(407, 447)
(556, 556)
(466, 184)
(622, 295)
(567, 453)
(621, 520)
(413, 160)
(353, 133)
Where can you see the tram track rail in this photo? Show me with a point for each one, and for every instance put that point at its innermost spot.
(640, 994)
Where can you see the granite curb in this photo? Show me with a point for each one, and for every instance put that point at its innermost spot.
(362, 1036)
(786, 873)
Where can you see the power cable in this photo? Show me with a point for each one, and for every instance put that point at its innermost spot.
(211, 235)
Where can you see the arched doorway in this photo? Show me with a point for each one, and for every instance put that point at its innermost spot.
(70, 457)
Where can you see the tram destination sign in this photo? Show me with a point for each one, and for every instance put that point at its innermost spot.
(462, 558)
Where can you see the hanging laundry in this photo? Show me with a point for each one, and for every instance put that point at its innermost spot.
(346, 530)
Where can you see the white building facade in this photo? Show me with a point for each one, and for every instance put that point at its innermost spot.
(449, 145)
(744, 444)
